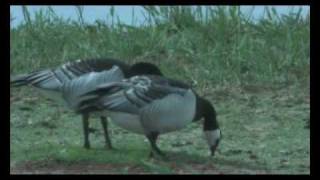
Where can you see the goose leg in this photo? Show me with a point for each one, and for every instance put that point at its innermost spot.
(85, 123)
(152, 137)
(104, 123)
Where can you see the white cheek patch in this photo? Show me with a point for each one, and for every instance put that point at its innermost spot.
(212, 136)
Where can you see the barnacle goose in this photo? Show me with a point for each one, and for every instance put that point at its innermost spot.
(88, 72)
(152, 105)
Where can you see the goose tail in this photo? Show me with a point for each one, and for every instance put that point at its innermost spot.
(36, 78)
(19, 80)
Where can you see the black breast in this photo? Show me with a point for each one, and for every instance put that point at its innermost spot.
(199, 108)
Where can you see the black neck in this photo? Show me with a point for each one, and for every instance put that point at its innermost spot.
(206, 110)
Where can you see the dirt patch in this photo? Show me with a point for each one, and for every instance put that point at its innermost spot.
(33, 167)
(56, 168)
(42, 167)
(195, 168)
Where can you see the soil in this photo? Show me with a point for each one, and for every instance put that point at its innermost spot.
(33, 167)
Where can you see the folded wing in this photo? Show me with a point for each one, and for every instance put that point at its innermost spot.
(129, 95)
(73, 89)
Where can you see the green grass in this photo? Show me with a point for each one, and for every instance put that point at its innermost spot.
(262, 133)
(255, 73)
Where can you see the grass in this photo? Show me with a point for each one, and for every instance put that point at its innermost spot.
(256, 73)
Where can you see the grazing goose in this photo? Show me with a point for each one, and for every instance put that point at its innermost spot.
(152, 105)
(51, 81)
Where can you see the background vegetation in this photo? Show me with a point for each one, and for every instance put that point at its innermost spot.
(256, 73)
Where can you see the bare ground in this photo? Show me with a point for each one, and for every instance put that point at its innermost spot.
(56, 168)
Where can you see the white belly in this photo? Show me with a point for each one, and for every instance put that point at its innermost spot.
(175, 113)
(126, 121)
(169, 114)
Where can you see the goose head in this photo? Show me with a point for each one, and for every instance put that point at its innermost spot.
(210, 125)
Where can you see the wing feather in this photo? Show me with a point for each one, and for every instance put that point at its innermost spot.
(130, 95)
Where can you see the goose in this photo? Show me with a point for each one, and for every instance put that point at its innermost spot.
(152, 105)
(50, 82)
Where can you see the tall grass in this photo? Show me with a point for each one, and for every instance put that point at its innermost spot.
(210, 45)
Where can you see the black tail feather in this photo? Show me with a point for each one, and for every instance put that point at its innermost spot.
(33, 78)
(90, 98)
(20, 80)
(105, 89)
